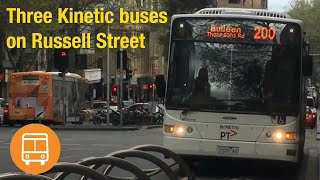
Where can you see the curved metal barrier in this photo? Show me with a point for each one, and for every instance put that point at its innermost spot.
(88, 168)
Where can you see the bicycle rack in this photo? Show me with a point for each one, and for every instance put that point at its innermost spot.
(88, 167)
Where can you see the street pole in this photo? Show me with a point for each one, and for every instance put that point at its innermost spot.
(108, 78)
(121, 85)
(152, 101)
(64, 115)
(129, 90)
(134, 93)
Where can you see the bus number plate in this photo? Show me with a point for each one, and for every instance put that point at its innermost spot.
(228, 150)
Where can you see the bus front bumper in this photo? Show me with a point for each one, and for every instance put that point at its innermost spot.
(232, 149)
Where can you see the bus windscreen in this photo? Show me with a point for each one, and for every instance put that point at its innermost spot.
(211, 68)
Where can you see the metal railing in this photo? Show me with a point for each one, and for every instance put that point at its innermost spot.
(99, 168)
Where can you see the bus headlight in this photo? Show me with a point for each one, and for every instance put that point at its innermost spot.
(278, 136)
(178, 130)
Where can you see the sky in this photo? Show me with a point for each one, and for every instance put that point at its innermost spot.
(279, 5)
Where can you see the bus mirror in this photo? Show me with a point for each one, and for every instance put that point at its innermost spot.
(307, 65)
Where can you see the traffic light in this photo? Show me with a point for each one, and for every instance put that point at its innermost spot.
(150, 86)
(114, 90)
(61, 59)
(124, 59)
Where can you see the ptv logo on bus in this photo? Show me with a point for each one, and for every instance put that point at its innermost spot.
(228, 134)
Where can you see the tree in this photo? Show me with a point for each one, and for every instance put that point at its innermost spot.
(25, 60)
(180, 7)
(308, 12)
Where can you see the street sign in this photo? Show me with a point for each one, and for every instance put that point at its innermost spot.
(134, 81)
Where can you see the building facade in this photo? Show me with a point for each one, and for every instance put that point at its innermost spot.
(145, 63)
(254, 4)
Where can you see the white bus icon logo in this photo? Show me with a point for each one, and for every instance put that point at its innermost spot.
(35, 148)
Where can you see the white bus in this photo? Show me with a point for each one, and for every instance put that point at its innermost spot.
(236, 85)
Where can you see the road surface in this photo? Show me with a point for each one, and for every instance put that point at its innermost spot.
(77, 145)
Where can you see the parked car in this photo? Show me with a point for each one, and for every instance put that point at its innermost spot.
(5, 118)
(126, 104)
(2, 107)
(96, 105)
(311, 113)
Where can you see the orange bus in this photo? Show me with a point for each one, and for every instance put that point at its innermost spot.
(38, 97)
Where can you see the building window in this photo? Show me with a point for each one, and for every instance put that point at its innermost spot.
(234, 1)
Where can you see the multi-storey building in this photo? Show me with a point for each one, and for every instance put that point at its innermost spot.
(144, 63)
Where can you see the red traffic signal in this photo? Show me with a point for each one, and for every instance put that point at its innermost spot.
(63, 53)
(61, 59)
(114, 89)
(150, 86)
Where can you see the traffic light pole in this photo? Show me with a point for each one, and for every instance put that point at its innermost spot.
(152, 104)
(121, 85)
(108, 80)
(64, 112)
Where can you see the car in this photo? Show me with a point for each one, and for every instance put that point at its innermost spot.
(126, 104)
(96, 105)
(135, 106)
(5, 117)
(311, 113)
(2, 107)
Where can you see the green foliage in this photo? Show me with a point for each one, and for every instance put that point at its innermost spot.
(180, 7)
(309, 13)
(52, 29)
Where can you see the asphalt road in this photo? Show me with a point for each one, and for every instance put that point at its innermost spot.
(77, 145)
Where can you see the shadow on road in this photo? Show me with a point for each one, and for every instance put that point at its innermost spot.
(246, 169)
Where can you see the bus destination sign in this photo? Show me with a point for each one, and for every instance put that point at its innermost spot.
(254, 32)
(224, 31)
